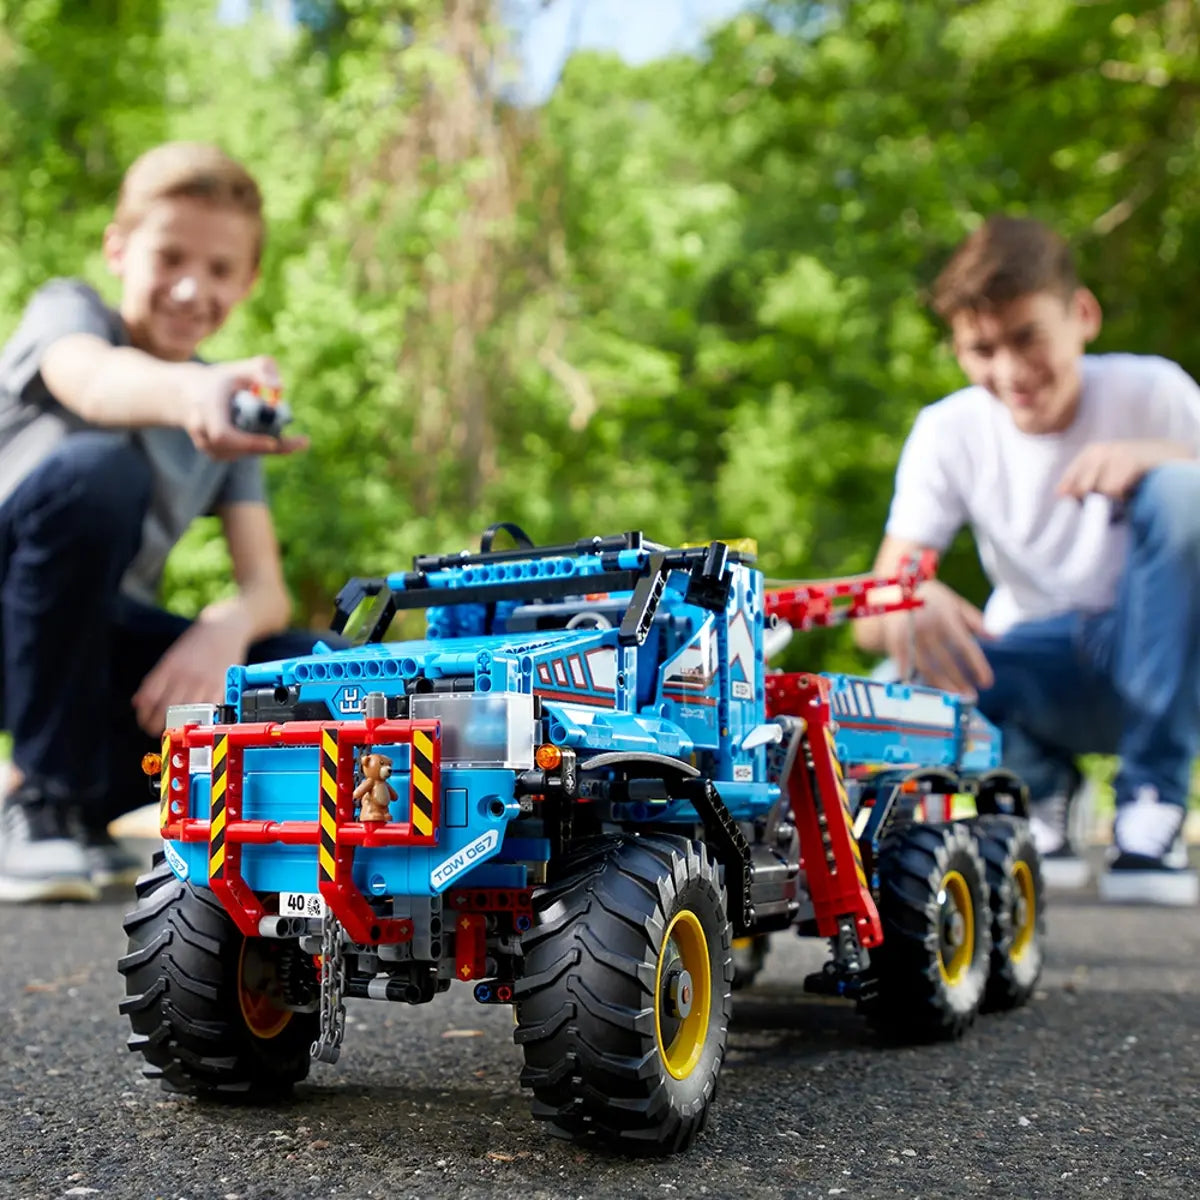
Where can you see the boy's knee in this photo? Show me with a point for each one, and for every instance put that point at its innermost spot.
(1166, 506)
(91, 483)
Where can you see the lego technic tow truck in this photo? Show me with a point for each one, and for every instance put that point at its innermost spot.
(582, 794)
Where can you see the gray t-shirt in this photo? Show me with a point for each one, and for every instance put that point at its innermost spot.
(187, 484)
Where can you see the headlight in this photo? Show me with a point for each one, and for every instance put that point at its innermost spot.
(480, 730)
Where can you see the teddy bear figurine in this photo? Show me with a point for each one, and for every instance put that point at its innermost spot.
(374, 791)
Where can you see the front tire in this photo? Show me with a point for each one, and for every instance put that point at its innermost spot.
(204, 1001)
(932, 969)
(624, 1004)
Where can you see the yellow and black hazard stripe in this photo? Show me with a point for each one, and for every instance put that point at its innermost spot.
(216, 828)
(839, 778)
(421, 791)
(329, 795)
(164, 783)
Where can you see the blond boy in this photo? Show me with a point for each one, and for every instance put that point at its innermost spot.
(113, 438)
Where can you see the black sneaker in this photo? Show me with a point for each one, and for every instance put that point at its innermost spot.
(39, 859)
(1148, 863)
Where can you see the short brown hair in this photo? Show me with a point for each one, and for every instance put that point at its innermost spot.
(188, 169)
(1004, 259)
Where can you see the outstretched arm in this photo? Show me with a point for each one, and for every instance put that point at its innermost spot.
(124, 387)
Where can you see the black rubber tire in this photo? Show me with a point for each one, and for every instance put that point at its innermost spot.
(749, 958)
(182, 998)
(914, 999)
(1008, 849)
(588, 1004)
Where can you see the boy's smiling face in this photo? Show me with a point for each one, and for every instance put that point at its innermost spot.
(1027, 352)
(183, 267)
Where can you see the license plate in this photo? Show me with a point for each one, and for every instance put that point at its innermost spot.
(301, 904)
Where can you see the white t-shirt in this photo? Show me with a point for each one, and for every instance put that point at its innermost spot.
(966, 463)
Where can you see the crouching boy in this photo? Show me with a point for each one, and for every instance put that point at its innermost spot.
(1078, 475)
(113, 438)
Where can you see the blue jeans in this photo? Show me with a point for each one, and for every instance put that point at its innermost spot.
(73, 651)
(1124, 681)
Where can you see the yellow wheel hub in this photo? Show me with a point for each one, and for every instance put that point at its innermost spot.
(682, 995)
(956, 929)
(1024, 915)
(264, 1018)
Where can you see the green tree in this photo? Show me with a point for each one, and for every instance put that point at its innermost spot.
(686, 297)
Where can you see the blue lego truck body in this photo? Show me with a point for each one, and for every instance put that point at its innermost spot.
(598, 711)
(692, 689)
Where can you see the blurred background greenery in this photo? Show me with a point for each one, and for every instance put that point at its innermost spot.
(684, 296)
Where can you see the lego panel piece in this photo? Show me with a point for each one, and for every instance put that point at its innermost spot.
(981, 750)
(689, 687)
(583, 671)
(895, 723)
(741, 708)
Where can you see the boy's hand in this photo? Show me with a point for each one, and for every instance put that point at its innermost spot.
(939, 641)
(1114, 469)
(191, 672)
(208, 391)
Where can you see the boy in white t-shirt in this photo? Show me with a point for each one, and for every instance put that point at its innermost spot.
(1079, 477)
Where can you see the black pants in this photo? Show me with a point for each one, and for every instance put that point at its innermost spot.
(73, 651)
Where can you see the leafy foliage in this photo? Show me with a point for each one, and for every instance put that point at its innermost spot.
(686, 297)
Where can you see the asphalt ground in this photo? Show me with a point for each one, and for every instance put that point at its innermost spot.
(1092, 1090)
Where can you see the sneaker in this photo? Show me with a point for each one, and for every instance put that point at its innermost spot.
(1148, 863)
(1050, 824)
(39, 860)
(109, 863)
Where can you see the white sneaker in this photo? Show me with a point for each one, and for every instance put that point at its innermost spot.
(1050, 824)
(1148, 863)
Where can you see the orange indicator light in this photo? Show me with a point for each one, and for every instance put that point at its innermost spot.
(548, 757)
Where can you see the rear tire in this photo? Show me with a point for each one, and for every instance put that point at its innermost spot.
(1017, 897)
(624, 1004)
(204, 1001)
(932, 969)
